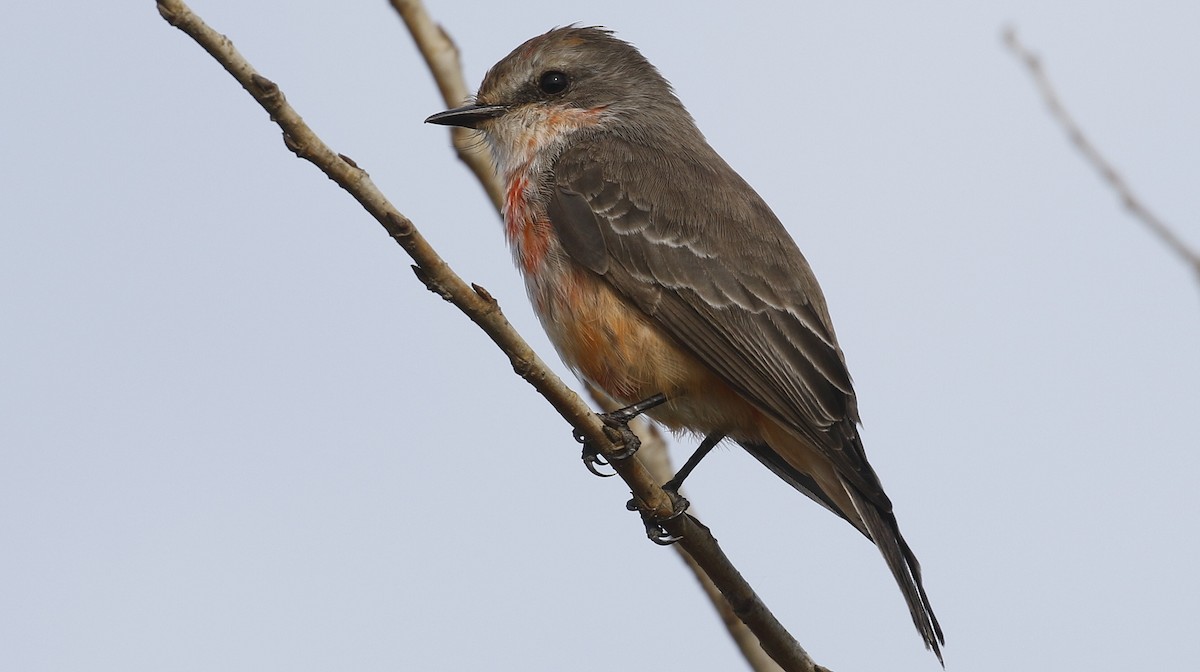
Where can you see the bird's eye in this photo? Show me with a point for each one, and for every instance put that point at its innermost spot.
(553, 82)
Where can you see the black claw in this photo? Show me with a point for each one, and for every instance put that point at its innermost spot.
(626, 437)
(592, 460)
(592, 457)
(616, 425)
(618, 422)
(655, 531)
(661, 537)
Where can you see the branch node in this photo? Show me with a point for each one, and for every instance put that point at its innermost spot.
(485, 295)
(525, 368)
(293, 144)
(431, 284)
(166, 12)
(450, 41)
(397, 225)
(266, 87)
(348, 160)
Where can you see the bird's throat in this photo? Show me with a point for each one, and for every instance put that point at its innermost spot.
(526, 227)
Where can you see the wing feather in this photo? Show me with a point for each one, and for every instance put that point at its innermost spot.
(717, 272)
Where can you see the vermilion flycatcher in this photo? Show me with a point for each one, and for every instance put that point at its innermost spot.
(655, 268)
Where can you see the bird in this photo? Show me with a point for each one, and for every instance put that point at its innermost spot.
(655, 269)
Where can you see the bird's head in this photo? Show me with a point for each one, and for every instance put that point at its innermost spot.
(566, 80)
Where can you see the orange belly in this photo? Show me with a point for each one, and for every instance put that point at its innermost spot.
(610, 343)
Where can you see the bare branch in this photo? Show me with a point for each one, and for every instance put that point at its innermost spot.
(1130, 200)
(481, 308)
(653, 454)
(441, 55)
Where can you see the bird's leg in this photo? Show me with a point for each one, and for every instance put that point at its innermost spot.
(703, 449)
(618, 422)
(654, 524)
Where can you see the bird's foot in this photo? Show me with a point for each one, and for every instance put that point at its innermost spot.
(616, 426)
(655, 531)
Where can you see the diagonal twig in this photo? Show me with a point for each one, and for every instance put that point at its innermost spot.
(1129, 199)
(442, 57)
(482, 309)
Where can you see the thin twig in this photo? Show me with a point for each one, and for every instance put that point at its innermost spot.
(654, 455)
(481, 308)
(1130, 200)
(441, 55)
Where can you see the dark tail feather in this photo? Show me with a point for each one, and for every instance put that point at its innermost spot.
(798, 480)
(900, 559)
(882, 529)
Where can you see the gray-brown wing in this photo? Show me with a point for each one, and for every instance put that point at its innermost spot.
(711, 264)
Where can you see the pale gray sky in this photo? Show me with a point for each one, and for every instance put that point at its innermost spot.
(237, 434)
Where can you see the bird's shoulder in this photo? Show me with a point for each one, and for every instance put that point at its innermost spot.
(677, 213)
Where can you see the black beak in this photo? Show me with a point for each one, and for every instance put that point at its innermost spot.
(467, 116)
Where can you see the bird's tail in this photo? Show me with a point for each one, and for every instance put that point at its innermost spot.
(883, 530)
(878, 526)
